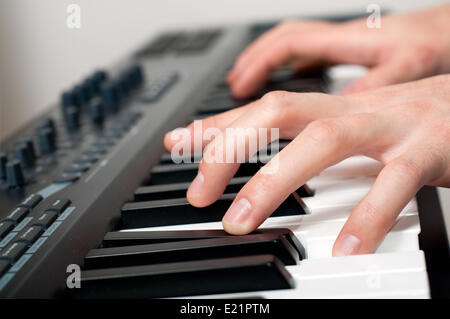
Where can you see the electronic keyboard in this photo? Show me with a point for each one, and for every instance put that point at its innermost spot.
(89, 186)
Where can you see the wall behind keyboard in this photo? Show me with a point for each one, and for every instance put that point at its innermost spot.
(40, 55)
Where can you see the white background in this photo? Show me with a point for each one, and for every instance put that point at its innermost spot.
(40, 56)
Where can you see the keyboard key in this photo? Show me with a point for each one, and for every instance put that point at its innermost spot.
(46, 219)
(31, 201)
(5, 227)
(4, 265)
(238, 274)
(17, 214)
(179, 211)
(66, 178)
(179, 173)
(13, 252)
(76, 170)
(59, 205)
(182, 251)
(30, 235)
(131, 238)
(178, 190)
(166, 158)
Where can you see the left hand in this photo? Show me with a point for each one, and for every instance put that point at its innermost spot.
(406, 127)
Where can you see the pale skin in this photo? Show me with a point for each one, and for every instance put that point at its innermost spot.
(404, 126)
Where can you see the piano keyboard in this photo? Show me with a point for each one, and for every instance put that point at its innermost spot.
(396, 270)
(164, 241)
(103, 195)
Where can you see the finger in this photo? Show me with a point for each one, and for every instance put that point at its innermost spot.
(267, 40)
(322, 144)
(375, 215)
(263, 41)
(181, 137)
(290, 112)
(398, 69)
(334, 45)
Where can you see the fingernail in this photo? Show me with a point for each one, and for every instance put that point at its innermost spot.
(238, 212)
(197, 183)
(349, 245)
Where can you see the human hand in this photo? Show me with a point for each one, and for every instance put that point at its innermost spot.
(406, 127)
(405, 48)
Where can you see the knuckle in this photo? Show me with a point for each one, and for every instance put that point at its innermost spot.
(273, 100)
(427, 57)
(421, 106)
(325, 130)
(407, 168)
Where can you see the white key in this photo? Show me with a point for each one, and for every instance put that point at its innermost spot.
(354, 166)
(332, 192)
(317, 238)
(388, 275)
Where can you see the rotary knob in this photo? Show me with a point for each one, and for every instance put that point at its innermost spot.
(47, 141)
(14, 174)
(72, 118)
(3, 160)
(96, 112)
(24, 156)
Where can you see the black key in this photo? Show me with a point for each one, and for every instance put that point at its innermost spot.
(4, 265)
(166, 158)
(214, 106)
(76, 170)
(178, 190)
(46, 219)
(5, 227)
(214, 276)
(81, 168)
(31, 201)
(84, 161)
(30, 235)
(131, 238)
(59, 205)
(178, 211)
(120, 239)
(179, 173)
(17, 214)
(13, 252)
(182, 251)
(66, 178)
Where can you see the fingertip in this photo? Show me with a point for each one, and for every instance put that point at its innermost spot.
(169, 141)
(196, 194)
(346, 245)
(238, 91)
(237, 220)
(236, 229)
(230, 77)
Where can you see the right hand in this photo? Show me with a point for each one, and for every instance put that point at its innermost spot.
(405, 48)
